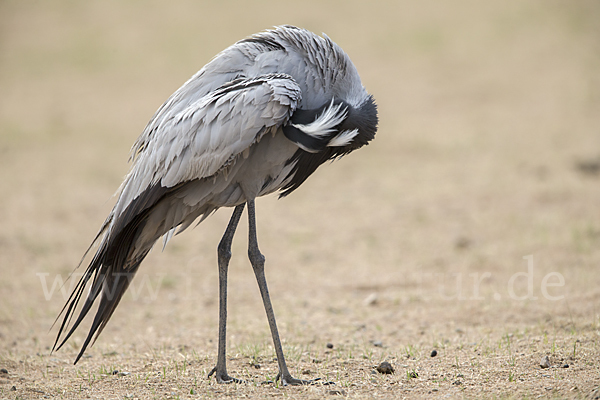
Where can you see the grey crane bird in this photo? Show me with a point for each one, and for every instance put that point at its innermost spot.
(259, 118)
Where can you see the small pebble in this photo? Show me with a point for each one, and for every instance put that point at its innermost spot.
(14, 388)
(329, 345)
(565, 366)
(337, 392)
(4, 371)
(412, 374)
(434, 353)
(370, 300)
(545, 362)
(116, 371)
(462, 242)
(123, 373)
(377, 343)
(457, 383)
(385, 368)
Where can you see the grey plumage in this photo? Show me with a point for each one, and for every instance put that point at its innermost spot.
(257, 119)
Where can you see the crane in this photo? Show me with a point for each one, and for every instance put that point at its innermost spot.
(259, 118)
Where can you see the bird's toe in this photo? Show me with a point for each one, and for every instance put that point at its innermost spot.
(223, 377)
(291, 381)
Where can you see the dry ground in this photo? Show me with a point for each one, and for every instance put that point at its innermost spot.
(488, 152)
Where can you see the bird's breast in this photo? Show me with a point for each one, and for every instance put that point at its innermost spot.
(262, 169)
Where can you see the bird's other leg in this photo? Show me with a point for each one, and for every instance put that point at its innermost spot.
(224, 255)
(258, 264)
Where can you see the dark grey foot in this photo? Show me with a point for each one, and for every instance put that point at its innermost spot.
(291, 381)
(222, 377)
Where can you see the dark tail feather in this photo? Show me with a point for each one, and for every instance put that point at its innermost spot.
(71, 304)
(113, 266)
(112, 287)
(74, 301)
(110, 271)
(82, 282)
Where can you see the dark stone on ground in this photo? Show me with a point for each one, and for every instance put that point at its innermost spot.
(385, 368)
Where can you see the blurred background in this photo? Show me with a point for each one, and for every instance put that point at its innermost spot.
(487, 152)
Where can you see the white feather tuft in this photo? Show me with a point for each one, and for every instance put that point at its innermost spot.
(343, 139)
(324, 124)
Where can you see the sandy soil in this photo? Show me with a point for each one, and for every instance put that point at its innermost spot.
(470, 226)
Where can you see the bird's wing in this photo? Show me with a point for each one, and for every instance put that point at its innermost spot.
(207, 135)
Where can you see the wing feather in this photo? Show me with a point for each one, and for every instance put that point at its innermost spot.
(204, 137)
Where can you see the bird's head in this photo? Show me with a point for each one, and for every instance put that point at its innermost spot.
(337, 126)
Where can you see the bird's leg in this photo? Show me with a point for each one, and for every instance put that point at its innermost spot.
(258, 264)
(224, 255)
